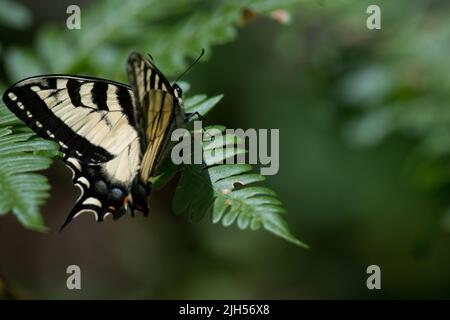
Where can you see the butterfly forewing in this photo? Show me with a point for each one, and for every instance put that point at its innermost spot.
(159, 110)
(145, 77)
(84, 115)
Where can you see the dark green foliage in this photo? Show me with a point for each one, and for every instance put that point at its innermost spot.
(225, 189)
(22, 190)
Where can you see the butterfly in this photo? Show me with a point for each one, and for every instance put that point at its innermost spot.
(112, 135)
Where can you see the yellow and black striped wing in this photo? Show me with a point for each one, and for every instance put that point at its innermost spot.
(93, 121)
(158, 111)
(145, 77)
(160, 116)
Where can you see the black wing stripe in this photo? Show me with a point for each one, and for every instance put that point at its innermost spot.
(73, 90)
(99, 96)
(152, 79)
(140, 70)
(124, 98)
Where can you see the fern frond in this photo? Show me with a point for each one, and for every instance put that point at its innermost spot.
(117, 27)
(22, 190)
(229, 191)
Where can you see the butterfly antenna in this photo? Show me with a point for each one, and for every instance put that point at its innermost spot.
(151, 58)
(192, 64)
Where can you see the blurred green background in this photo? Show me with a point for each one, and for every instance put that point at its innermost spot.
(364, 121)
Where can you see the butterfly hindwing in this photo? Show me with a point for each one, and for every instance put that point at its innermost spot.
(98, 194)
(107, 188)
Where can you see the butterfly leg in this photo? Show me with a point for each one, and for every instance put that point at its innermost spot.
(194, 116)
(138, 199)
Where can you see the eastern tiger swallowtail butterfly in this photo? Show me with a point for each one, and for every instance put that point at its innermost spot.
(112, 135)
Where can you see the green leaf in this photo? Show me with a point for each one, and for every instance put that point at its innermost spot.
(228, 190)
(22, 190)
(200, 106)
(225, 190)
(194, 100)
(14, 15)
(22, 64)
(117, 27)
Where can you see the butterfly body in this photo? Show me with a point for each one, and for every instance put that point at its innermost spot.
(112, 135)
